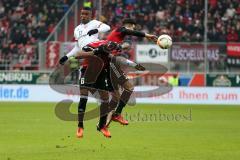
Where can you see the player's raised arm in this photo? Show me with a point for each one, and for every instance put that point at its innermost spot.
(139, 34)
(129, 29)
(131, 32)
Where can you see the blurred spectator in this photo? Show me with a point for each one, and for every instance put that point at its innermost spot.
(184, 20)
(230, 11)
(25, 22)
(22, 24)
(2, 10)
(232, 36)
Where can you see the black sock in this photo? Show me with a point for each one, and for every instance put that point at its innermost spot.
(81, 111)
(102, 121)
(120, 107)
(103, 114)
(123, 101)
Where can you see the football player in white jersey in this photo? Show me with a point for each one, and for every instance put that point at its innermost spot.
(85, 33)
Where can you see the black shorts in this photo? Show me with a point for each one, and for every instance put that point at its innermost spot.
(116, 76)
(101, 83)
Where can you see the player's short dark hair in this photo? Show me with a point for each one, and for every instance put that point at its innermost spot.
(87, 8)
(129, 21)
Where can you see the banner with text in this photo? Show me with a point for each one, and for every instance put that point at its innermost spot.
(233, 49)
(158, 79)
(151, 54)
(24, 77)
(195, 52)
(178, 95)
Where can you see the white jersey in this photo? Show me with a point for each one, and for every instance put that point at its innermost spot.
(80, 32)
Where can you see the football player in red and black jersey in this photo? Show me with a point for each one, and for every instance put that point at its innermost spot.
(118, 34)
(117, 76)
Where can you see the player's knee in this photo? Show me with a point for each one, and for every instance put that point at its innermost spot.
(104, 100)
(128, 87)
(131, 88)
(103, 96)
(83, 92)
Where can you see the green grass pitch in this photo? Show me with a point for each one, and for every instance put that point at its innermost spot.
(31, 131)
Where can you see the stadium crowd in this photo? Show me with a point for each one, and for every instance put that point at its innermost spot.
(182, 19)
(25, 22)
(22, 24)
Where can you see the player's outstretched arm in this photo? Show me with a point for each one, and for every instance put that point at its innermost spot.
(150, 37)
(65, 58)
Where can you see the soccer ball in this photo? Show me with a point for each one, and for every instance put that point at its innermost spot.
(164, 41)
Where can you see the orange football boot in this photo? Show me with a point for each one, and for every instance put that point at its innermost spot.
(79, 133)
(119, 118)
(104, 131)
